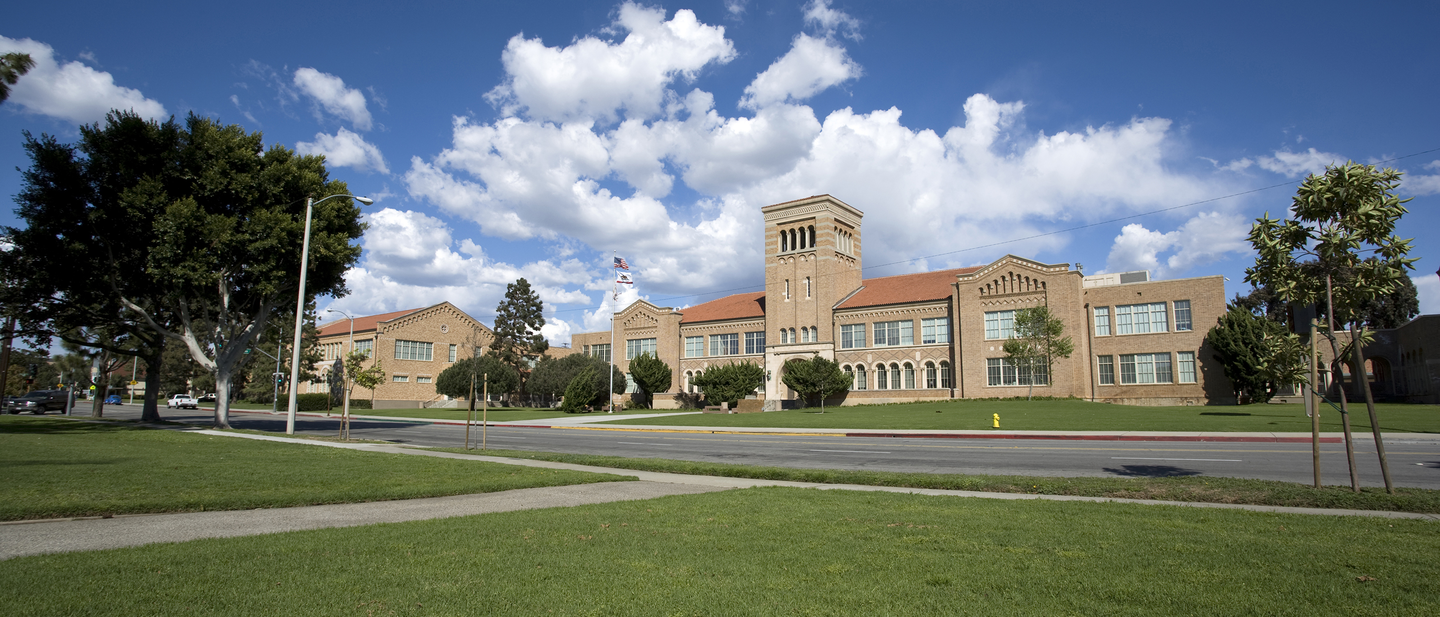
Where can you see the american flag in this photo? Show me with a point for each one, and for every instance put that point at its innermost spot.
(621, 263)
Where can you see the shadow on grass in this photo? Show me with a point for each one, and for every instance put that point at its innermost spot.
(55, 426)
(1152, 471)
(1223, 413)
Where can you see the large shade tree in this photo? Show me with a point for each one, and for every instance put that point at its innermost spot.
(518, 320)
(1343, 220)
(186, 233)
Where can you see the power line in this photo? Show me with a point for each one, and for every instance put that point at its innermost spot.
(1192, 204)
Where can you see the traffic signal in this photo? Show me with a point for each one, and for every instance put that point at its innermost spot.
(34, 370)
(279, 379)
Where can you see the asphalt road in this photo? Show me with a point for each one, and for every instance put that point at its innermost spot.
(1413, 463)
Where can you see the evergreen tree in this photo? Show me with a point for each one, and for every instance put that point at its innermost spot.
(730, 382)
(1258, 355)
(815, 378)
(651, 375)
(518, 320)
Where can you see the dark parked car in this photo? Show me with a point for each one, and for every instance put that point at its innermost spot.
(113, 399)
(38, 401)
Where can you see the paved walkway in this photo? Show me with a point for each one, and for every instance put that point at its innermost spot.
(22, 538)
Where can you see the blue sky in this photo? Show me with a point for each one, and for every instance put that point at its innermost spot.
(502, 141)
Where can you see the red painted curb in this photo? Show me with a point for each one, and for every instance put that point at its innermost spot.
(1103, 437)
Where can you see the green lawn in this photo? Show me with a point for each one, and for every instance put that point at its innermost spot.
(1205, 489)
(55, 468)
(1068, 415)
(771, 551)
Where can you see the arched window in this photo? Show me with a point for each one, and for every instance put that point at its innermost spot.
(784, 241)
(688, 387)
(930, 381)
(882, 379)
(807, 287)
(803, 238)
(812, 236)
(895, 376)
(909, 376)
(944, 374)
(851, 372)
(860, 382)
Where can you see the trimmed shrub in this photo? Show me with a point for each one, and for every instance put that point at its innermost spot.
(312, 402)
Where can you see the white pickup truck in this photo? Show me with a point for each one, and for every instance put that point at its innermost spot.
(181, 401)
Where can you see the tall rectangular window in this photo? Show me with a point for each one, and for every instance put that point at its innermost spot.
(935, 330)
(636, 346)
(892, 333)
(861, 382)
(1143, 368)
(1107, 370)
(452, 352)
(1182, 316)
(1186, 363)
(724, 344)
(366, 346)
(414, 350)
(694, 346)
(999, 325)
(852, 336)
(1102, 321)
(601, 351)
(1141, 318)
(1000, 372)
(755, 342)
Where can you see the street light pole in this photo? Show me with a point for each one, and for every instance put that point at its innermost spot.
(300, 303)
(345, 366)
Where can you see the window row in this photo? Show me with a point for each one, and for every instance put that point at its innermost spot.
(808, 290)
(601, 351)
(1142, 318)
(727, 344)
(637, 346)
(414, 350)
(933, 330)
(1148, 368)
(897, 376)
(797, 239)
(1004, 372)
(808, 334)
(406, 379)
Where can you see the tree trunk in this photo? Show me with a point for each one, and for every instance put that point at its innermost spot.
(1364, 384)
(150, 407)
(222, 399)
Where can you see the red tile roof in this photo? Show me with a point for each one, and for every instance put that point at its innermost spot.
(739, 306)
(362, 324)
(905, 288)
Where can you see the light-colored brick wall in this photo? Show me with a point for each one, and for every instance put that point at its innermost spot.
(441, 325)
(1207, 304)
(1013, 283)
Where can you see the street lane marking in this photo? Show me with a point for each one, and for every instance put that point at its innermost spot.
(853, 451)
(636, 443)
(1209, 460)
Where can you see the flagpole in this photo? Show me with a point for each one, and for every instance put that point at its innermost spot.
(614, 298)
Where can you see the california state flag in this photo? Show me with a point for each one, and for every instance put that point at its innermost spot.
(623, 278)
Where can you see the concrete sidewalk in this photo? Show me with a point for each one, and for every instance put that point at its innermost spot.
(23, 538)
(593, 422)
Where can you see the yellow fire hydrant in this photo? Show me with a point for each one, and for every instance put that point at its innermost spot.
(996, 424)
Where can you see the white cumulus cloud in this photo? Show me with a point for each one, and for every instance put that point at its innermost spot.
(1423, 184)
(1206, 238)
(70, 90)
(1295, 164)
(594, 79)
(830, 21)
(811, 66)
(345, 149)
(411, 260)
(330, 93)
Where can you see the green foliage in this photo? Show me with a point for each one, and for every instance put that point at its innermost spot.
(12, 66)
(187, 232)
(588, 387)
(1038, 342)
(518, 320)
(815, 378)
(316, 401)
(360, 403)
(651, 375)
(551, 376)
(361, 376)
(1258, 355)
(1393, 309)
(487, 369)
(730, 382)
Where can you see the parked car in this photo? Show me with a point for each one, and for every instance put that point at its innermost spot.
(113, 399)
(181, 401)
(207, 398)
(38, 401)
